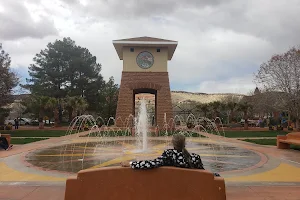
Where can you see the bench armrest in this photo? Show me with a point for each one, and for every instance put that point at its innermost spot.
(73, 183)
(220, 188)
(281, 137)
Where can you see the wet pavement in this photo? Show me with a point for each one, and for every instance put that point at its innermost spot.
(74, 157)
(250, 171)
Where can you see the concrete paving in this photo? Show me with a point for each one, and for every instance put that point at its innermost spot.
(276, 175)
(37, 192)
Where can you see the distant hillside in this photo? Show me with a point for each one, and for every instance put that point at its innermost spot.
(177, 96)
(181, 96)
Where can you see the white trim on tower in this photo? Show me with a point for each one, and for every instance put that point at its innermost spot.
(143, 42)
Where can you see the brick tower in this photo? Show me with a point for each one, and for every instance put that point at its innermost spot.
(145, 70)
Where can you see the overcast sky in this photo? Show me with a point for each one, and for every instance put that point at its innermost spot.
(221, 43)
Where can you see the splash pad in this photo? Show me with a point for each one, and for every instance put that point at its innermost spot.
(106, 145)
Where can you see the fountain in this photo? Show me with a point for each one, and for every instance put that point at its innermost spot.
(105, 144)
(141, 128)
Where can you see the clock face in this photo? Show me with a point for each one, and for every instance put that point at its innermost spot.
(145, 60)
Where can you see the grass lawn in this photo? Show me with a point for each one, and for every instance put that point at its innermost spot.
(58, 133)
(271, 142)
(245, 134)
(34, 133)
(25, 140)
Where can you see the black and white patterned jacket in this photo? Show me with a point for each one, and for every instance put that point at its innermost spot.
(170, 157)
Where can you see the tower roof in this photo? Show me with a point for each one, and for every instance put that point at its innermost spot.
(146, 39)
(145, 42)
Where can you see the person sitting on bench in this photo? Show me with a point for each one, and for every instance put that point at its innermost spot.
(177, 157)
(4, 144)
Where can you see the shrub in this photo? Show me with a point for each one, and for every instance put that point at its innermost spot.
(8, 127)
(190, 125)
(35, 123)
(279, 128)
(273, 121)
(262, 124)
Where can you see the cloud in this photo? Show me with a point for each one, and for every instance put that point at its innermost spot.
(23, 50)
(221, 43)
(17, 22)
(130, 9)
(273, 21)
(240, 85)
(216, 54)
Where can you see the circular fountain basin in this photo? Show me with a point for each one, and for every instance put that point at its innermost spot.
(73, 157)
(139, 151)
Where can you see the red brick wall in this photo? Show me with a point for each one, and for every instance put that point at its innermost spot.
(158, 81)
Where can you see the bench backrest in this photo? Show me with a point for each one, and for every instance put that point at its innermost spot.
(115, 183)
(293, 136)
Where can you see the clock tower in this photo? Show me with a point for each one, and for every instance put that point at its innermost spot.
(145, 70)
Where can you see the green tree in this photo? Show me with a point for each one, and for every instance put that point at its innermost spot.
(245, 108)
(75, 105)
(232, 106)
(53, 105)
(37, 105)
(111, 92)
(204, 108)
(82, 105)
(8, 80)
(215, 106)
(70, 104)
(64, 68)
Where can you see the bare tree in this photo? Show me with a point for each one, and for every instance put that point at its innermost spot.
(280, 78)
(265, 103)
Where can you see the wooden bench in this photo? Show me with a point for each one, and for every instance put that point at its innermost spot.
(284, 141)
(163, 183)
(8, 138)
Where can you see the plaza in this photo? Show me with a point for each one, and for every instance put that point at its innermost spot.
(39, 170)
(257, 172)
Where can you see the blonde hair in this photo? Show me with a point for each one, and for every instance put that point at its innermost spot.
(178, 142)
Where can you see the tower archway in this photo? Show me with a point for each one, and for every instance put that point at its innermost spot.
(150, 96)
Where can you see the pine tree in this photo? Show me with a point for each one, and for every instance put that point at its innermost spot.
(8, 80)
